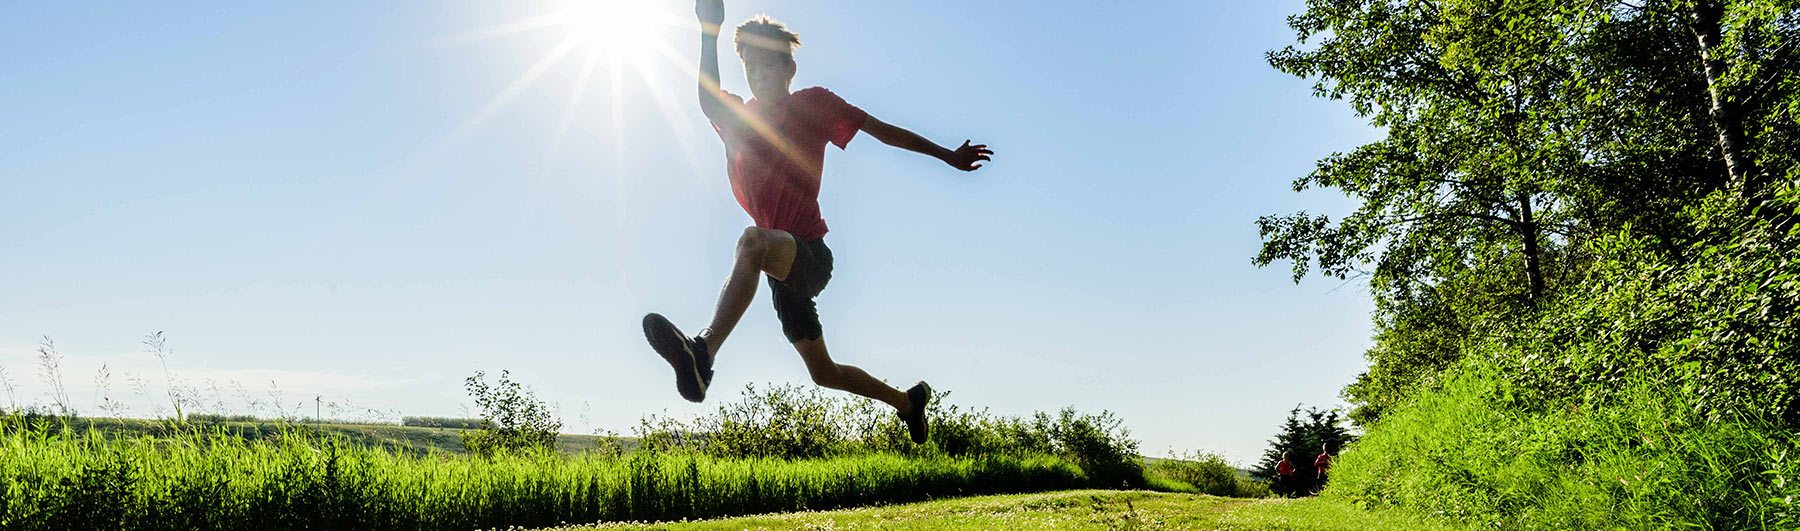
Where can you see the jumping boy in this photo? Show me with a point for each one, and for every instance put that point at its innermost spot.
(775, 154)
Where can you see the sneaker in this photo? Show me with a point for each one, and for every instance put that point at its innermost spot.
(919, 395)
(693, 365)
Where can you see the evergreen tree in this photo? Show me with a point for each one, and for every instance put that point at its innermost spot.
(1301, 437)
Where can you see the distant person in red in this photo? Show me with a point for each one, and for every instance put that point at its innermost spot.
(1322, 463)
(1284, 473)
(775, 155)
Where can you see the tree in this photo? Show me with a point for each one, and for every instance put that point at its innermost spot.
(1301, 437)
(1517, 132)
(1749, 56)
(1460, 198)
(1463, 177)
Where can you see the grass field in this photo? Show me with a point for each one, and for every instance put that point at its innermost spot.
(776, 449)
(1080, 509)
(52, 481)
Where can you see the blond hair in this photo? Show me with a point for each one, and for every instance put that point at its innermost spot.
(763, 31)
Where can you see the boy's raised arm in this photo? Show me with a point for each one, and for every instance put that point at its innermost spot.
(711, 14)
(965, 158)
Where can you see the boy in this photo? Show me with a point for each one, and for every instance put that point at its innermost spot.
(775, 152)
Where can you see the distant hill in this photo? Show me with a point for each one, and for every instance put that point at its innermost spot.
(402, 438)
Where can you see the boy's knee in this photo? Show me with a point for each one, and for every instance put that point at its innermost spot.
(753, 242)
(826, 375)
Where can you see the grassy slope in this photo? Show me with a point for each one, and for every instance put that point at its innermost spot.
(1082, 509)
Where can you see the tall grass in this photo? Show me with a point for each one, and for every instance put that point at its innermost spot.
(1642, 459)
(201, 480)
(776, 449)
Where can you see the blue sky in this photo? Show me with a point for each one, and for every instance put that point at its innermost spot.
(369, 201)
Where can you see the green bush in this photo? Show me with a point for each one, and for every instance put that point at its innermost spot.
(782, 421)
(1099, 442)
(1204, 473)
(515, 419)
(1721, 323)
(790, 422)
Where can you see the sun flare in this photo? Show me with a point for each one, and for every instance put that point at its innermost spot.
(611, 26)
(605, 41)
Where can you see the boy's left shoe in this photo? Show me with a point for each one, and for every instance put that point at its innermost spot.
(687, 355)
(916, 425)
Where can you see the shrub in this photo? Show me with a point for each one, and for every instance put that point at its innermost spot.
(1204, 473)
(516, 419)
(789, 422)
(1099, 442)
(1722, 324)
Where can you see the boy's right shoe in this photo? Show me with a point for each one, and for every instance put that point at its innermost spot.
(688, 355)
(916, 425)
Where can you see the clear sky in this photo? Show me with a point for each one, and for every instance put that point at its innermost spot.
(369, 201)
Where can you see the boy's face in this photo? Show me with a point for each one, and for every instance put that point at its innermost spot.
(770, 72)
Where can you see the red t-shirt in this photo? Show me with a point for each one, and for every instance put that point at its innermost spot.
(1284, 468)
(776, 156)
(1323, 462)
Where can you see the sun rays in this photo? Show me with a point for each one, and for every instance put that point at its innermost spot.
(600, 49)
(622, 37)
(629, 39)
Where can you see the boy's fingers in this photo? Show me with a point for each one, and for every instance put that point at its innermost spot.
(983, 157)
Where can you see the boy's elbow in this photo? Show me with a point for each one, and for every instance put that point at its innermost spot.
(892, 140)
(882, 132)
(709, 105)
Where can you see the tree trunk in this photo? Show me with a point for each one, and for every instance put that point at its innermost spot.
(1534, 274)
(1705, 16)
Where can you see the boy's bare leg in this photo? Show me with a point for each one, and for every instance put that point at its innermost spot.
(759, 251)
(849, 378)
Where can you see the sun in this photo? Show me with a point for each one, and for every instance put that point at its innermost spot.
(608, 39)
(615, 27)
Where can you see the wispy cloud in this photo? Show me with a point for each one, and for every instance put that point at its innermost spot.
(138, 381)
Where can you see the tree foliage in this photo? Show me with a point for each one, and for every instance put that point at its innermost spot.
(1524, 137)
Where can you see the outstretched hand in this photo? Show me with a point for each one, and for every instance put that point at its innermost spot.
(710, 12)
(967, 157)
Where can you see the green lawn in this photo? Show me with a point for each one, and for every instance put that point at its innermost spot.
(1081, 509)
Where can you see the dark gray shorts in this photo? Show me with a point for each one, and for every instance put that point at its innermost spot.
(794, 297)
